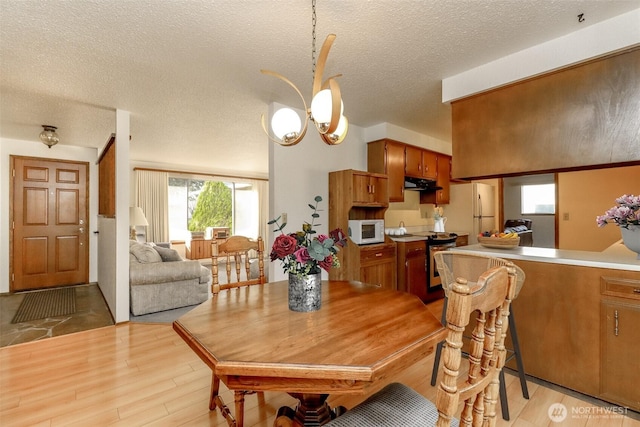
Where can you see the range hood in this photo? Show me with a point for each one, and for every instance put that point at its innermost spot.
(420, 184)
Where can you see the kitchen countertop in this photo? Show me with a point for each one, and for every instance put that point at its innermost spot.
(422, 235)
(616, 257)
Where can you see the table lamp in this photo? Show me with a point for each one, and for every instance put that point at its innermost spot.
(136, 218)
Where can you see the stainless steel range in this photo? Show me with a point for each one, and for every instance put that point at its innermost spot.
(435, 243)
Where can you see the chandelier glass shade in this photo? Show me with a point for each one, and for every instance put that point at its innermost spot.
(326, 110)
(49, 136)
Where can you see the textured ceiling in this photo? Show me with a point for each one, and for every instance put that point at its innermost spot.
(189, 71)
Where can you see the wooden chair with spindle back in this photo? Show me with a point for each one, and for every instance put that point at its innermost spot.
(452, 264)
(236, 250)
(489, 299)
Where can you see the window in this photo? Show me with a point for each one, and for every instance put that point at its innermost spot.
(538, 199)
(195, 204)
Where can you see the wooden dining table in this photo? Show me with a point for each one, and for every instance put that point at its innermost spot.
(361, 335)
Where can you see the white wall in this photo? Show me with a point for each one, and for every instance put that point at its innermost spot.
(297, 174)
(121, 311)
(36, 148)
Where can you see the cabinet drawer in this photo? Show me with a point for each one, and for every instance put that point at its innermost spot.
(412, 248)
(624, 288)
(372, 255)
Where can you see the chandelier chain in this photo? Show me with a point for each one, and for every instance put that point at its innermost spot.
(313, 39)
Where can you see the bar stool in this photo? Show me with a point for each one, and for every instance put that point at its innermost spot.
(451, 265)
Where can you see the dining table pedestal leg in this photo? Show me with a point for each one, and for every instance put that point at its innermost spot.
(312, 410)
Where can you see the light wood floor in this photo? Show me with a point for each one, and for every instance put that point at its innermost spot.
(144, 374)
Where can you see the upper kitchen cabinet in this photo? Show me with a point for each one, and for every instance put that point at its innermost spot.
(361, 195)
(387, 156)
(584, 116)
(397, 160)
(420, 163)
(369, 189)
(441, 196)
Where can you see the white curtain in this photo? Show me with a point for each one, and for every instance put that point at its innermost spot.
(263, 203)
(152, 196)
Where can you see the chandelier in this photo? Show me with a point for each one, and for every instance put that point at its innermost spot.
(49, 136)
(326, 110)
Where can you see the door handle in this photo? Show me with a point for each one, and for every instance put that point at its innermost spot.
(81, 230)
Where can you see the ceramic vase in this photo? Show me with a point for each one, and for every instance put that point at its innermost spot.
(305, 292)
(631, 238)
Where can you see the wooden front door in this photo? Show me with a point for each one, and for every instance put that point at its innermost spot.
(49, 223)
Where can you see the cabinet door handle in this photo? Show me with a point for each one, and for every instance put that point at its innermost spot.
(636, 290)
(615, 323)
(379, 254)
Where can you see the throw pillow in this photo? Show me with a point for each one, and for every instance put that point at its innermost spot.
(144, 253)
(168, 255)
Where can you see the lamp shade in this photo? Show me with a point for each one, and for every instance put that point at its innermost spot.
(49, 136)
(286, 123)
(136, 216)
(321, 109)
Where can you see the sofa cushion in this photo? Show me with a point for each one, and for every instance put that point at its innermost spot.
(168, 255)
(144, 253)
(163, 272)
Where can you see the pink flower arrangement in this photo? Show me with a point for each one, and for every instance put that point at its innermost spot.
(301, 253)
(626, 213)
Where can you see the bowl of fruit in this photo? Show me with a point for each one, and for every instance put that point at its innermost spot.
(496, 240)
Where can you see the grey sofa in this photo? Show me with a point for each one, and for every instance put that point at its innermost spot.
(159, 279)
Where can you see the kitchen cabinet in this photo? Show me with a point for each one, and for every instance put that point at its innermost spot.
(378, 265)
(462, 240)
(420, 163)
(412, 268)
(442, 196)
(387, 156)
(361, 195)
(620, 340)
(551, 122)
(397, 160)
(369, 189)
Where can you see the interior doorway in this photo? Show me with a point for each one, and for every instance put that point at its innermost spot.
(543, 224)
(49, 211)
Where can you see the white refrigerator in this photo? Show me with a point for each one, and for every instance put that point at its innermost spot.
(471, 209)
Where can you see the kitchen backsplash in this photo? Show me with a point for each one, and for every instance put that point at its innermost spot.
(416, 217)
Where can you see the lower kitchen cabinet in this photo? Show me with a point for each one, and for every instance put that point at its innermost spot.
(620, 342)
(378, 265)
(566, 319)
(412, 268)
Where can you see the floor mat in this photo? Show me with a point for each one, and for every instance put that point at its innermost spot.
(44, 304)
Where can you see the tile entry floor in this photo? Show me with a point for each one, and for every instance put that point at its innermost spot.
(91, 312)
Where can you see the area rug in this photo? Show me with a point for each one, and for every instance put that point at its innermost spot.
(167, 316)
(45, 304)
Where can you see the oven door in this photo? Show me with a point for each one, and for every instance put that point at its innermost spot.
(434, 283)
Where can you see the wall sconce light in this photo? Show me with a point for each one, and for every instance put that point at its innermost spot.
(49, 136)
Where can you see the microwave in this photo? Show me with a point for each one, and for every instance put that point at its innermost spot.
(366, 231)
